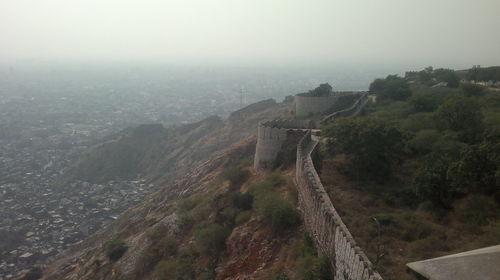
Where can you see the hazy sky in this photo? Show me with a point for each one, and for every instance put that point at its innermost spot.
(414, 32)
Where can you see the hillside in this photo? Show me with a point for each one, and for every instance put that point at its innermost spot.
(161, 154)
(181, 230)
(204, 194)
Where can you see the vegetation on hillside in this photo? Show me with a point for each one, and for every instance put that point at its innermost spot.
(321, 90)
(240, 204)
(484, 74)
(428, 161)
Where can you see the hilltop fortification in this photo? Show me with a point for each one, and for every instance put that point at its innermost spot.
(347, 260)
(273, 135)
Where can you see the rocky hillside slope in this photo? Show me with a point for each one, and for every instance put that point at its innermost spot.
(194, 229)
(164, 230)
(161, 154)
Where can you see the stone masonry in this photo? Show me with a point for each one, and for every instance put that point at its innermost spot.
(348, 261)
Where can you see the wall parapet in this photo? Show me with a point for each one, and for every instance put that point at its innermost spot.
(323, 222)
(307, 105)
(352, 111)
(271, 136)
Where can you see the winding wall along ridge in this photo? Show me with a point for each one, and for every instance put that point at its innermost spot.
(348, 261)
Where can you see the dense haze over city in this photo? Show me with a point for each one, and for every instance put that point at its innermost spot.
(448, 33)
(74, 74)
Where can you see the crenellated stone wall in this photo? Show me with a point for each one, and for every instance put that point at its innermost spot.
(352, 111)
(348, 262)
(271, 135)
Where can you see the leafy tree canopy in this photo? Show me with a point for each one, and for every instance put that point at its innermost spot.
(371, 144)
(392, 87)
(463, 115)
(322, 90)
(448, 76)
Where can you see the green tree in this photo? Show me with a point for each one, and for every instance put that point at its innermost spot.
(278, 212)
(115, 249)
(235, 175)
(424, 102)
(463, 115)
(372, 145)
(471, 89)
(392, 87)
(448, 76)
(425, 75)
(433, 183)
(321, 269)
(478, 169)
(321, 90)
(211, 238)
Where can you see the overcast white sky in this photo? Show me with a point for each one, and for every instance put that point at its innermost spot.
(414, 32)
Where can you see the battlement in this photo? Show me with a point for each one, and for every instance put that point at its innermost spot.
(271, 135)
(323, 222)
(321, 219)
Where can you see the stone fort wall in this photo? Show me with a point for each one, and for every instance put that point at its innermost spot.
(272, 135)
(307, 105)
(348, 261)
(352, 111)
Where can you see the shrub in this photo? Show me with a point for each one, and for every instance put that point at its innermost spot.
(419, 121)
(281, 276)
(286, 157)
(476, 209)
(424, 140)
(462, 115)
(392, 87)
(115, 249)
(307, 247)
(242, 217)
(235, 175)
(174, 270)
(229, 215)
(372, 145)
(432, 183)
(211, 238)
(320, 270)
(169, 245)
(242, 201)
(278, 212)
(427, 102)
(187, 205)
(262, 187)
(471, 89)
(423, 248)
(321, 90)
